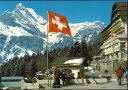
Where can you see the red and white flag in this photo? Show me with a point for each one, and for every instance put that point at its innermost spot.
(58, 23)
(113, 35)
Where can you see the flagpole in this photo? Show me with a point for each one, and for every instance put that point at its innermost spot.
(52, 24)
(47, 53)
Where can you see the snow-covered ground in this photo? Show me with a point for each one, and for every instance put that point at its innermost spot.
(111, 85)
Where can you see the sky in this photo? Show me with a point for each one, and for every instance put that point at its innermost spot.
(75, 11)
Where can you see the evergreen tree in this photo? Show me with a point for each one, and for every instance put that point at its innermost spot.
(28, 65)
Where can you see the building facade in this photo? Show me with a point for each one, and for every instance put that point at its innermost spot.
(114, 37)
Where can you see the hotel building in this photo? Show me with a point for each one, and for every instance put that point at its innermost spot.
(114, 38)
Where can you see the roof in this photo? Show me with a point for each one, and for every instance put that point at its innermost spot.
(120, 4)
(122, 9)
(74, 61)
(10, 78)
(68, 66)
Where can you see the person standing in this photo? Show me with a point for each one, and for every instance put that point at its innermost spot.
(119, 73)
(126, 71)
(56, 77)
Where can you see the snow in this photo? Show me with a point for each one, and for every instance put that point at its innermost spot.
(18, 31)
(30, 52)
(2, 53)
(42, 28)
(32, 12)
(10, 56)
(52, 38)
(75, 27)
(101, 85)
(22, 25)
(39, 18)
(23, 51)
(20, 5)
(13, 31)
(74, 61)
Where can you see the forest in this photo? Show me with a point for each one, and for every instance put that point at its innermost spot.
(28, 65)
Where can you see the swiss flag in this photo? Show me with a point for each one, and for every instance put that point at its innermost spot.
(58, 23)
(113, 35)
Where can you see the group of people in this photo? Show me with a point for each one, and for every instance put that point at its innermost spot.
(65, 77)
(60, 74)
(120, 72)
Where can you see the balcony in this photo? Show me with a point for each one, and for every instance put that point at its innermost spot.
(122, 36)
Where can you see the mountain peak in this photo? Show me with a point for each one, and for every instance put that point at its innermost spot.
(23, 29)
(20, 6)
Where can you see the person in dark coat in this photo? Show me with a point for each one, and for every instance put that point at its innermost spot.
(56, 77)
(63, 77)
(119, 73)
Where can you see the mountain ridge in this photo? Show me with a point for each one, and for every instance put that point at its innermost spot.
(22, 30)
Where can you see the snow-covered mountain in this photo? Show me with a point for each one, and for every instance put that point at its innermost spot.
(87, 30)
(22, 30)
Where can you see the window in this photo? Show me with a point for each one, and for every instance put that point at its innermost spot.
(117, 55)
(123, 44)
